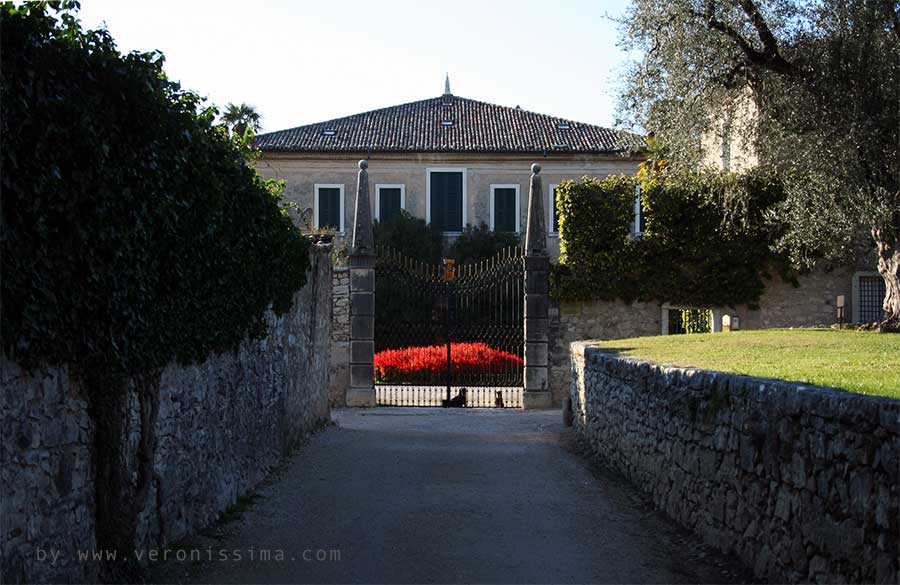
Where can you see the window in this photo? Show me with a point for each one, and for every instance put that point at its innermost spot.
(552, 215)
(868, 297)
(505, 208)
(639, 223)
(682, 320)
(389, 201)
(445, 201)
(329, 209)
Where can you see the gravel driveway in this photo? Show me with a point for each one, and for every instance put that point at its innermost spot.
(429, 495)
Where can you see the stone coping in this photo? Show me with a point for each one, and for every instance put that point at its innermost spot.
(823, 401)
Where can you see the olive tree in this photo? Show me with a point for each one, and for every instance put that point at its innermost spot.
(819, 83)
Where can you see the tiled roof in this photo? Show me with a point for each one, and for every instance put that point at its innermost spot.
(450, 124)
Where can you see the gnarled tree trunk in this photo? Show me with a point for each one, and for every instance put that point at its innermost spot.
(119, 499)
(887, 246)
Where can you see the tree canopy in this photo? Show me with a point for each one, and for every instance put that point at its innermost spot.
(818, 85)
(240, 118)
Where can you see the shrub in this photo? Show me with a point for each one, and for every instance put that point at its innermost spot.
(706, 241)
(428, 364)
(410, 236)
(134, 234)
(480, 243)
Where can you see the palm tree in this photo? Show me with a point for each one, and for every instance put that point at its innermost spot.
(240, 118)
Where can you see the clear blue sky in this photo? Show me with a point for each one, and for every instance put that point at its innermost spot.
(307, 61)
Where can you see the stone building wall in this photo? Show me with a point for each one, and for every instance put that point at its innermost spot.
(222, 426)
(800, 482)
(340, 338)
(809, 304)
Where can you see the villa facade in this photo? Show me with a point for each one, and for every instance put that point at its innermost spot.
(449, 160)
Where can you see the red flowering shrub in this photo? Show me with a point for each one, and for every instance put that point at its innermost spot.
(419, 364)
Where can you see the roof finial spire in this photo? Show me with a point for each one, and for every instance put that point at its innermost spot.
(447, 85)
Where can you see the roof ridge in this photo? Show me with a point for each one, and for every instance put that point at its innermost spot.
(367, 112)
(471, 126)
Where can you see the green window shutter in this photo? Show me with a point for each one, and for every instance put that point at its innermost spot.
(438, 182)
(453, 203)
(388, 203)
(504, 210)
(447, 201)
(330, 207)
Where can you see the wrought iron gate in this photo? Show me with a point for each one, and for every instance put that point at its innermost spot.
(444, 332)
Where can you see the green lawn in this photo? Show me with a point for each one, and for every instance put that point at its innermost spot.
(864, 362)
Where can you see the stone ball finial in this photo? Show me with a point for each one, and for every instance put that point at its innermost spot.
(536, 168)
(363, 164)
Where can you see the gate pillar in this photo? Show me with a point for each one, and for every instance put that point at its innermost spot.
(362, 298)
(537, 299)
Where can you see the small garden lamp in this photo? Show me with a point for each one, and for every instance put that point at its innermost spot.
(449, 270)
(840, 311)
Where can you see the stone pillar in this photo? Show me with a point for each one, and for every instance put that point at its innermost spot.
(362, 298)
(537, 299)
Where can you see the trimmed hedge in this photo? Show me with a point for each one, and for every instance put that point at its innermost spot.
(707, 240)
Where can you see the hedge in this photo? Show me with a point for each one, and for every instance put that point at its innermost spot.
(707, 239)
(134, 232)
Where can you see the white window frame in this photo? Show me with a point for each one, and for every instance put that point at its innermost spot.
(465, 195)
(379, 187)
(316, 203)
(550, 207)
(636, 214)
(715, 326)
(515, 186)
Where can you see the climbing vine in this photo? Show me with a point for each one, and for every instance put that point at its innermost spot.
(706, 240)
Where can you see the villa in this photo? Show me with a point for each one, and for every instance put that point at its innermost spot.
(450, 160)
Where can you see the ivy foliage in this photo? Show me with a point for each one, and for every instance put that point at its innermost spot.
(134, 232)
(706, 242)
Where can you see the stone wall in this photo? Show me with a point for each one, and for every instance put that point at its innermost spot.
(802, 483)
(222, 426)
(340, 338)
(593, 320)
(811, 303)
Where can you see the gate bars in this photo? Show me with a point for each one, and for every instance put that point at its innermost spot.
(477, 302)
(468, 316)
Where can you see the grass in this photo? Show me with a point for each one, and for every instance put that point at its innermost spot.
(859, 361)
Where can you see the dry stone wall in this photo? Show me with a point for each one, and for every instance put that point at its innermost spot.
(222, 426)
(801, 482)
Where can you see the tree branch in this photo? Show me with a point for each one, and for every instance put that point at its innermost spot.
(890, 11)
(770, 57)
